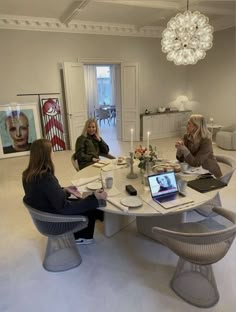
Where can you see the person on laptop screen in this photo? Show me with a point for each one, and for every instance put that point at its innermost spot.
(164, 183)
(196, 146)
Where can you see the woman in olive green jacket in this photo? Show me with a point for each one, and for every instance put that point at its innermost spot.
(89, 146)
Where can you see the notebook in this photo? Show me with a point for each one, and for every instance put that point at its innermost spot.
(164, 190)
(206, 184)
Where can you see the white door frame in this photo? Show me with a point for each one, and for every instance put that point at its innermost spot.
(121, 63)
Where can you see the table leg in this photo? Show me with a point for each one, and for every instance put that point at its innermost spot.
(145, 224)
(113, 223)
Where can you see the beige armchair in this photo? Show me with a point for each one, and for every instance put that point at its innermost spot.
(226, 138)
(228, 166)
(198, 246)
(74, 162)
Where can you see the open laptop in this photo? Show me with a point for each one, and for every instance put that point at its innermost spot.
(164, 190)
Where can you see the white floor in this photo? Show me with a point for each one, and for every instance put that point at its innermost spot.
(126, 273)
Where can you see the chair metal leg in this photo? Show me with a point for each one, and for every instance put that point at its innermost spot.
(62, 254)
(195, 284)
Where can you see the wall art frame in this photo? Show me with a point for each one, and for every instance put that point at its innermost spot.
(52, 121)
(19, 127)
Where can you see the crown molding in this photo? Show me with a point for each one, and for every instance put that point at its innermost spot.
(80, 27)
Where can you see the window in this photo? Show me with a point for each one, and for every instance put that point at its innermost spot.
(104, 85)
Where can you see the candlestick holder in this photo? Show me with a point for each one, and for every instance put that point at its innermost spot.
(132, 175)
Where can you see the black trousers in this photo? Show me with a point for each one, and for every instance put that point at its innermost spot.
(92, 215)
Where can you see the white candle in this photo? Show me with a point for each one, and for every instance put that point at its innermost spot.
(132, 140)
(148, 134)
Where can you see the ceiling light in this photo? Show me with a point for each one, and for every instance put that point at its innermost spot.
(187, 38)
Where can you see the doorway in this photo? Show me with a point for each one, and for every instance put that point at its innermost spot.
(102, 84)
(126, 97)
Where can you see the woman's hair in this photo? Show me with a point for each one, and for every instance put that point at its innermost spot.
(160, 179)
(40, 161)
(168, 180)
(87, 124)
(200, 122)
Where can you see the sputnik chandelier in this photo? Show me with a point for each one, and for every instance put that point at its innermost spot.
(187, 38)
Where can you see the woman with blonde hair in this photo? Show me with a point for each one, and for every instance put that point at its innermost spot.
(43, 191)
(196, 146)
(89, 145)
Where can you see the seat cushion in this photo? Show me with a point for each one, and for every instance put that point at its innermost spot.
(224, 139)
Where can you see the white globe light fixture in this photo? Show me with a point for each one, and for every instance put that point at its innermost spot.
(187, 38)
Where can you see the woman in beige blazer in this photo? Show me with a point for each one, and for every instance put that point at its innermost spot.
(196, 146)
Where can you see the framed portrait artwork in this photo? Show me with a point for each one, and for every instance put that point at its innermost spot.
(19, 127)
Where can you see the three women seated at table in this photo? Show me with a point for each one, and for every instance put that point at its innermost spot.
(196, 146)
(90, 146)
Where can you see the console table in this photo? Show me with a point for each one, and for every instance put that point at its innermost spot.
(163, 125)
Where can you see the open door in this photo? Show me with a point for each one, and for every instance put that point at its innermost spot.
(130, 116)
(75, 99)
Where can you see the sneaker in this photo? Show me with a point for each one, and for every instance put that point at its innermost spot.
(84, 241)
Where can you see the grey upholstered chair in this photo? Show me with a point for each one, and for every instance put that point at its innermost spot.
(74, 162)
(61, 252)
(226, 138)
(228, 166)
(198, 246)
(102, 114)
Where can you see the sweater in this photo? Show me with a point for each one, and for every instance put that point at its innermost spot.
(201, 154)
(45, 194)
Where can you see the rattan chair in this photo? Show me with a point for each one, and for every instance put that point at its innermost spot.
(74, 162)
(61, 252)
(228, 166)
(198, 245)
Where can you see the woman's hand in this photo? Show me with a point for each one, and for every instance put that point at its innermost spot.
(179, 144)
(95, 160)
(97, 137)
(100, 194)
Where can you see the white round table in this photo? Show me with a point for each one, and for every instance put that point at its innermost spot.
(149, 214)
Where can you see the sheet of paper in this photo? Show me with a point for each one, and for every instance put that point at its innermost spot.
(116, 202)
(84, 181)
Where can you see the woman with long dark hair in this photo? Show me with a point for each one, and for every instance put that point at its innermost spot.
(43, 191)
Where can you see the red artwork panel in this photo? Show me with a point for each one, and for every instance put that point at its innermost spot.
(52, 123)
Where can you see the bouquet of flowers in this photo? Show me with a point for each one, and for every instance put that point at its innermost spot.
(145, 156)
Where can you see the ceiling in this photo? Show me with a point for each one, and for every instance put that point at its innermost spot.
(116, 17)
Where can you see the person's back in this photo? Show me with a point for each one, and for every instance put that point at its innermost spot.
(43, 191)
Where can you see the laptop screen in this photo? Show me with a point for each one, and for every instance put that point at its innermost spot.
(162, 183)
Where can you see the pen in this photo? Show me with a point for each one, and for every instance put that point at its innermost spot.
(102, 182)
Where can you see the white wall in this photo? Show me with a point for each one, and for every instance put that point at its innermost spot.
(212, 81)
(30, 63)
